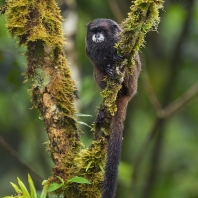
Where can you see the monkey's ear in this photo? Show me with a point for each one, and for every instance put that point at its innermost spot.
(117, 27)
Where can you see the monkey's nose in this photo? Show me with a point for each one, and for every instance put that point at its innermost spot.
(97, 35)
(98, 38)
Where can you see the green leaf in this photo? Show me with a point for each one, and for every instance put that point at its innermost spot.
(79, 180)
(54, 186)
(83, 115)
(83, 123)
(24, 189)
(16, 188)
(101, 168)
(32, 187)
(44, 182)
(88, 166)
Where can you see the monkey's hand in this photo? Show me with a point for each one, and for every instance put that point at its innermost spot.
(118, 58)
(109, 70)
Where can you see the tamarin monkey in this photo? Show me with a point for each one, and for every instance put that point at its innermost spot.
(102, 35)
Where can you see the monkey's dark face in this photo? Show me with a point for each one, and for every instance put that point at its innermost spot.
(102, 34)
(98, 37)
(102, 30)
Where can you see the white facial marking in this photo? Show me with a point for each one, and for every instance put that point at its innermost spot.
(98, 38)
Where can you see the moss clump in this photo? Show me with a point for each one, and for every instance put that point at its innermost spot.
(34, 20)
(144, 16)
(91, 167)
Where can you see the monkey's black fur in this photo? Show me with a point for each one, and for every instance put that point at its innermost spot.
(102, 35)
(103, 54)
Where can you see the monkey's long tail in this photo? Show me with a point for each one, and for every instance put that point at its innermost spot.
(114, 149)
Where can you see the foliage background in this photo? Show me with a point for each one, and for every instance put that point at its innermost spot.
(175, 173)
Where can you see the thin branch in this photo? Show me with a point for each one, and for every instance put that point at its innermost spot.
(177, 55)
(154, 160)
(182, 101)
(142, 152)
(116, 10)
(151, 94)
(173, 107)
(5, 145)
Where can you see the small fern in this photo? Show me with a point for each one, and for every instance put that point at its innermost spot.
(22, 191)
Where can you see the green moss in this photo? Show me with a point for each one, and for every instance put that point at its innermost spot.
(144, 16)
(109, 95)
(89, 163)
(35, 20)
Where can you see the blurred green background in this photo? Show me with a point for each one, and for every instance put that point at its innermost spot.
(168, 166)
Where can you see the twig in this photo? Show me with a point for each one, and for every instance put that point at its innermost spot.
(5, 145)
(173, 107)
(181, 101)
(116, 10)
(149, 89)
(142, 152)
(154, 160)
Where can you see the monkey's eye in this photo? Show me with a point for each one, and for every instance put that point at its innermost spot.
(99, 30)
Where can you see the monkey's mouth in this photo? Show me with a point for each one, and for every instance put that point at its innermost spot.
(98, 38)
